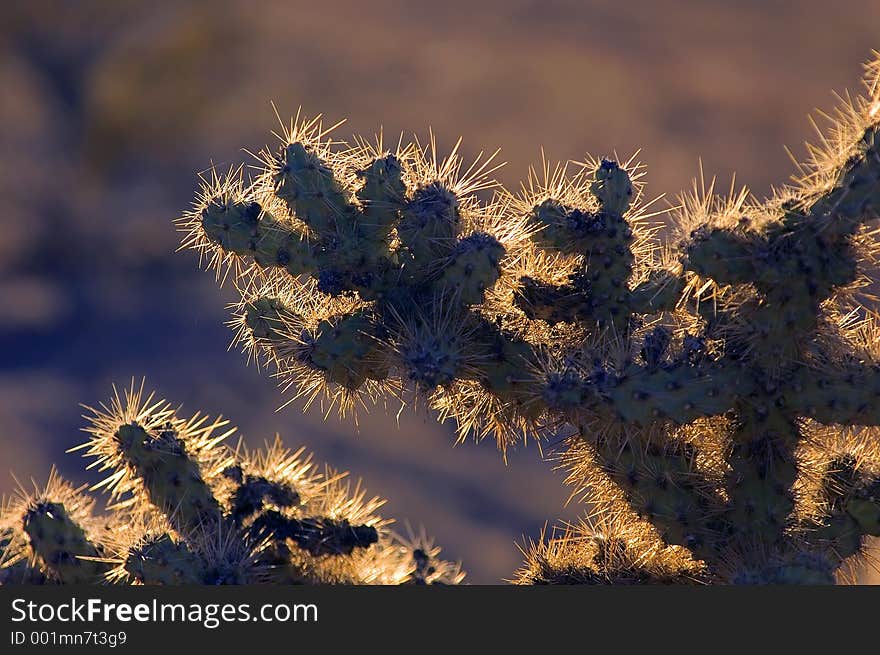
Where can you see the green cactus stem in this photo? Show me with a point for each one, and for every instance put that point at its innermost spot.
(171, 478)
(62, 545)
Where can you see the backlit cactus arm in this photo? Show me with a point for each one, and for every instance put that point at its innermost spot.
(54, 531)
(62, 544)
(799, 248)
(190, 510)
(597, 291)
(791, 255)
(849, 194)
(309, 188)
(243, 228)
(317, 535)
(158, 458)
(726, 256)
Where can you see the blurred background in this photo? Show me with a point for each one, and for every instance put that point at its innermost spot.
(110, 109)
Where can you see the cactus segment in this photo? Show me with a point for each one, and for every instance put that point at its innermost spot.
(62, 545)
(473, 267)
(172, 479)
(310, 190)
(162, 561)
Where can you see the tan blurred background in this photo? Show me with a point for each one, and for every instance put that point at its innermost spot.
(109, 109)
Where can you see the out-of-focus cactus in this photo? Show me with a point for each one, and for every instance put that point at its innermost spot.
(705, 383)
(188, 509)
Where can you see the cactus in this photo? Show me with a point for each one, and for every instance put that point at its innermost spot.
(716, 395)
(719, 391)
(185, 508)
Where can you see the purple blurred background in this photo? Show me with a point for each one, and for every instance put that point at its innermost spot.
(109, 109)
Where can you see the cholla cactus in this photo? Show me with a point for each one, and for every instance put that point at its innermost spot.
(721, 390)
(188, 509)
